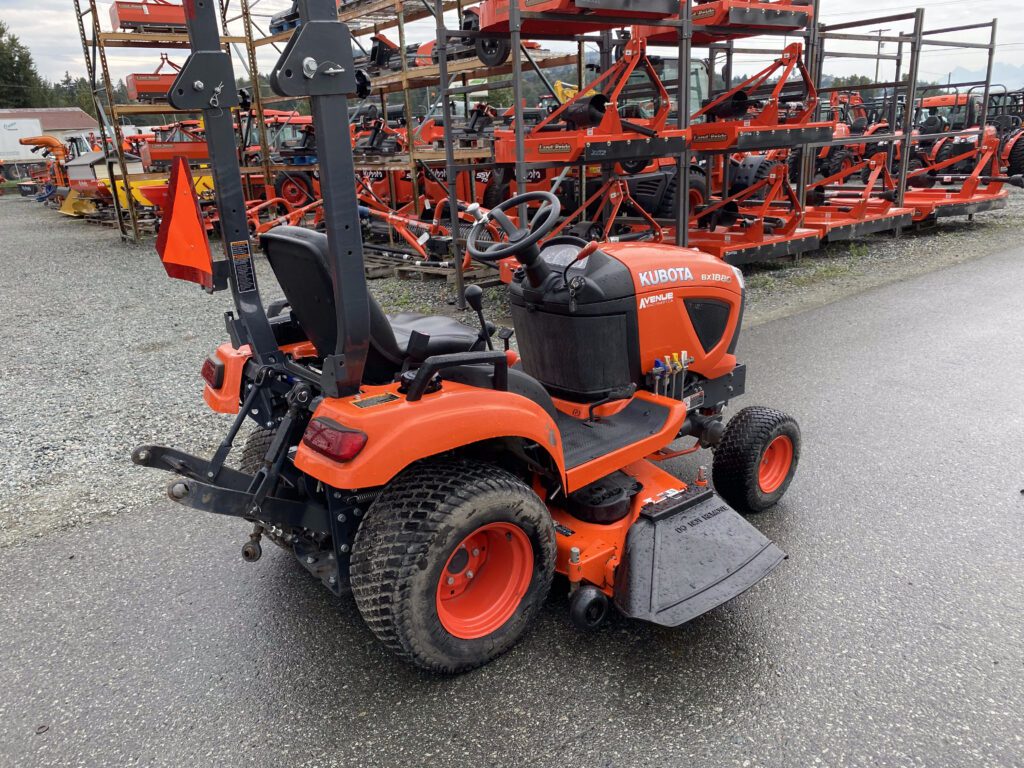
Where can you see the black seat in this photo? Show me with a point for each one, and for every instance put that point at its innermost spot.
(298, 257)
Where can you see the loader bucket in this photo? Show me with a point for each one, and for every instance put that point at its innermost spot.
(687, 555)
(181, 243)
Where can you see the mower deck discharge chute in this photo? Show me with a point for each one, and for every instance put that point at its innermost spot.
(445, 482)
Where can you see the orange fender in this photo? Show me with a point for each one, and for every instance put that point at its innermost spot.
(400, 432)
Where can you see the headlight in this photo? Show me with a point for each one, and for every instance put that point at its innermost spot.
(739, 277)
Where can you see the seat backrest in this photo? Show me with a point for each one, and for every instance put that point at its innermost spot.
(298, 257)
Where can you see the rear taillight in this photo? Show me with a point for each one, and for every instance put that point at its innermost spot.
(334, 441)
(213, 372)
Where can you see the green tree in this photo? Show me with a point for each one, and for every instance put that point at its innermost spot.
(20, 84)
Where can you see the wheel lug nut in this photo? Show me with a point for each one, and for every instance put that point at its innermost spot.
(476, 552)
(451, 579)
(469, 574)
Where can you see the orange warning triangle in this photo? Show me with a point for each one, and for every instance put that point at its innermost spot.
(181, 243)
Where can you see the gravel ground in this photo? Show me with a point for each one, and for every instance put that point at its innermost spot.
(102, 350)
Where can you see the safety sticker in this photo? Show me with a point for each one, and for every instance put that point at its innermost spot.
(241, 260)
(369, 402)
(696, 400)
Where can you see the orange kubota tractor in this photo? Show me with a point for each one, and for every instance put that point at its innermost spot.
(446, 482)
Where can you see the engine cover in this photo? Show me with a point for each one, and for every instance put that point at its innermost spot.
(602, 323)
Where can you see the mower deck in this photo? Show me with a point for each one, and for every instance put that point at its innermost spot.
(936, 203)
(731, 248)
(834, 224)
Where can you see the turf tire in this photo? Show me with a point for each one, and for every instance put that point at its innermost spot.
(406, 539)
(735, 469)
(255, 449)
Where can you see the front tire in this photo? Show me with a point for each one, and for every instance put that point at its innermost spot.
(757, 458)
(452, 563)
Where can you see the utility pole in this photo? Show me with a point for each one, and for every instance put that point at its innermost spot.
(878, 60)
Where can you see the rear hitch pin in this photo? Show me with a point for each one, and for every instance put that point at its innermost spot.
(251, 550)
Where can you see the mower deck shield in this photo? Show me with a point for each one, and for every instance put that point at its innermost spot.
(687, 554)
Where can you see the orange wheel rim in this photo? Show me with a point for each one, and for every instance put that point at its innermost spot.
(775, 464)
(293, 192)
(484, 580)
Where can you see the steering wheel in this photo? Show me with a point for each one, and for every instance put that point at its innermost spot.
(521, 239)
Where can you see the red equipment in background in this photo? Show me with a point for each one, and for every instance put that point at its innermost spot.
(182, 139)
(716, 20)
(152, 86)
(150, 16)
(760, 112)
(589, 15)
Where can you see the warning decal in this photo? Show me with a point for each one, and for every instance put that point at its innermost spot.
(241, 261)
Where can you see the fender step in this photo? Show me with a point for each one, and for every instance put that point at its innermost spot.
(688, 554)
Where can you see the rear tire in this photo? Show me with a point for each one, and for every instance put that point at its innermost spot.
(1015, 161)
(757, 458)
(255, 449)
(413, 556)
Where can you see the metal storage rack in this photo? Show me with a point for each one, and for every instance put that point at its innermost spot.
(95, 42)
(449, 79)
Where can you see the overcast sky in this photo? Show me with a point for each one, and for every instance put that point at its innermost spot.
(48, 28)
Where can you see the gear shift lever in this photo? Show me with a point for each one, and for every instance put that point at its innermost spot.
(475, 298)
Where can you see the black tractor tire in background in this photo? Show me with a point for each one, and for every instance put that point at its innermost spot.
(493, 51)
(698, 194)
(1015, 161)
(952, 149)
(793, 160)
(751, 170)
(498, 189)
(412, 537)
(924, 181)
(295, 186)
(837, 159)
(757, 458)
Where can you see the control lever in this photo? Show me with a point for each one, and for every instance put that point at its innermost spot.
(623, 393)
(475, 298)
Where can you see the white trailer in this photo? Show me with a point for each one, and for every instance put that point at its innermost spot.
(16, 158)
